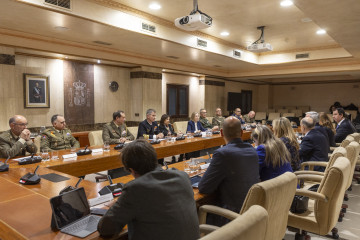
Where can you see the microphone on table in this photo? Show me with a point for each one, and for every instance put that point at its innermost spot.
(70, 188)
(4, 166)
(114, 188)
(30, 178)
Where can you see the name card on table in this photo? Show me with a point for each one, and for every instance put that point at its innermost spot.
(97, 151)
(69, 157)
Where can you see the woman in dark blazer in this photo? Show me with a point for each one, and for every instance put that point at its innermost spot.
(326, 123)
(194, 124)
(274, 158)
(165, 127)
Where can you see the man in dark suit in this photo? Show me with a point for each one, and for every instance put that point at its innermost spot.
(158, 204)
(233, 169)
(315, 117)
(344, 126)
(149, 127)
(313, 147)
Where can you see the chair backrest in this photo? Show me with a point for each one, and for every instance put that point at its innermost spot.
(260, 116)
(356, 136)
(180, 126)
(250, 225)
(352, 112)
(95, 138)
(276, 196)
(210, 119)
(338, 152)
(298, 112)
(37, 142)
(352, 150)
(133, 131)
(270, 110)
(273, 116)
(333, 186)
(304, 108)
(347, 141)
(288, 114)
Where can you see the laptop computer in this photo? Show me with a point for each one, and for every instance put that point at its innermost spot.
(71, 214)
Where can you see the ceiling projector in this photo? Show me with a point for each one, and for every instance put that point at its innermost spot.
(196, 20)
(260, 45)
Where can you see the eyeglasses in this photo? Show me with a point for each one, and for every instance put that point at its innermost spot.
(21, 124)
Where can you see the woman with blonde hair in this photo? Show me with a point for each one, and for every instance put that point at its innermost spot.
(194, 124)
(274, 158)
(326, 123)
(283, 130)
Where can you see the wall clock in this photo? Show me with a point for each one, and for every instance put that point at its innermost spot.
(114, 86)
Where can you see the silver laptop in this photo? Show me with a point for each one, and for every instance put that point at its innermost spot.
(71, 214)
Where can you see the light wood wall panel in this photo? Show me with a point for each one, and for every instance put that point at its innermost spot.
(214, 98)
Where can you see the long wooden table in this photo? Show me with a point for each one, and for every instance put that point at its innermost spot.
(25, 211)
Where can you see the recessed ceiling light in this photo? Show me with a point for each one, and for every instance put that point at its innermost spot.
(66, 57)
(98, 61)
(61, 28)
(286, 3)
(154, 6)
(320, 32)
(305, 20)
(224, 34)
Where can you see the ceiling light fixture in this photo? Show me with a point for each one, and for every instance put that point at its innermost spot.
(98, 61)
(286, 3)
(320, 32)
(224, 34)
(154, 6)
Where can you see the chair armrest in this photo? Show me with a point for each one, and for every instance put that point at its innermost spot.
(206, 228)
(205, 209)
(309, 172)
(338, 144)
(310, 177)
(311, 194)
(333, 148)
(312, 164)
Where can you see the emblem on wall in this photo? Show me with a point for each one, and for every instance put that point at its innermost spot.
(79, 95)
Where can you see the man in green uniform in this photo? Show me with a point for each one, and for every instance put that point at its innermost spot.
(116, 131)
(58, 137)
(250, 117)
(218, 120)
(205, 122)
(16, 141)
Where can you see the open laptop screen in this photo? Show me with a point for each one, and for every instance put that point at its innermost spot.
(69, 207)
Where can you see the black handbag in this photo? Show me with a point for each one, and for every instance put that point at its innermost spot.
(299, 204)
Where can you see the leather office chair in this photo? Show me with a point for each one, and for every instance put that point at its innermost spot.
(325, 204)
(288, 114)
(251, 225)
(275, 195)
(344, 143)
(180, 126)
(298, 112)
(210, 119)
(37, 142)
(273, 116)
(133, 131)
(260, 116)
(95, 138)
(282, 110)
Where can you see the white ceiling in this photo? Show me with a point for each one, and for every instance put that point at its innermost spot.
(285, 30)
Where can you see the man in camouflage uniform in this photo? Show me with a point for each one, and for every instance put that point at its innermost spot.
(218, 120)
(116, 131)
(16, 141)
(58, 137)
(250, 117)
(205, 122)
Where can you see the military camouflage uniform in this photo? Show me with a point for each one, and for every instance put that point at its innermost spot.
(218, 121)
(248, 119)
(11, 145)
(53, 139)
(112, 133)
(205, 123)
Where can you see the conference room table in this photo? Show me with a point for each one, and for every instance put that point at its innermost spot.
(25, 211)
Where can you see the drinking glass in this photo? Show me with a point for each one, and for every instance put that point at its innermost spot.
(54, 155)
(188, 133)
(187, 167)
(194, 165)
(106, 146)
(45, 155)
(73, 149)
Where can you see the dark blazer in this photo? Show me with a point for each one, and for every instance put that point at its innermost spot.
(147, 129)
(331, 137)
(232, 171)
(323, 131)
(164, 130)
(313, 147)
(191, 126)
(344, 129)
(158, 205)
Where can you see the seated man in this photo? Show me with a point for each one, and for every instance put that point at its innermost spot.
(205, 122)
(149, 126)
(233, 169)
(116, 131)
(58, 137)
(237, 114)
(16, 141)
(313, 146)
(218, 120)
(344, 126)
(158, 204)
(250, 117)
